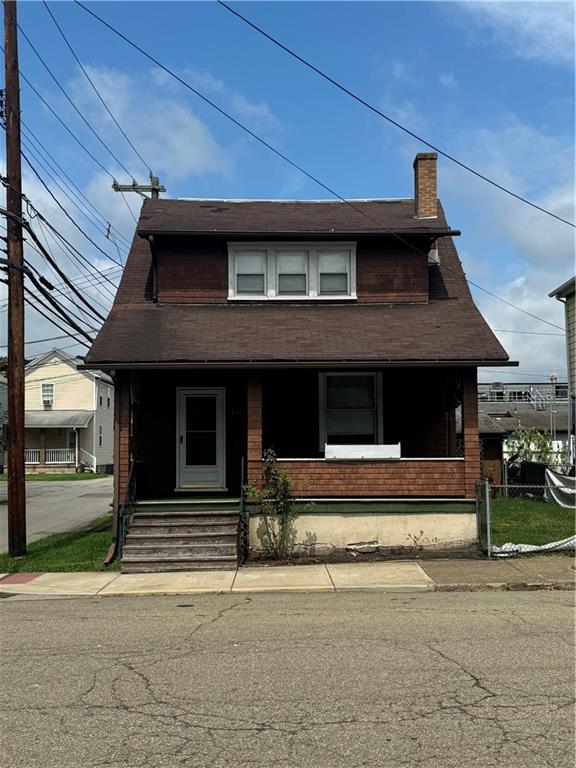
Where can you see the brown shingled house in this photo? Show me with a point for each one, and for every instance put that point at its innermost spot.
(344, 336)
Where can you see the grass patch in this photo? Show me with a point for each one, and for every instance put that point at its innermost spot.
(530, 521)
(63, 476)
(79, 551)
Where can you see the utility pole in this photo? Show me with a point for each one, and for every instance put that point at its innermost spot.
(16, 479)
(154, 187)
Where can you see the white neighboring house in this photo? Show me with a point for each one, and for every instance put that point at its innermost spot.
(69, 416)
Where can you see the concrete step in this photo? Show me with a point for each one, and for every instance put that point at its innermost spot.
(170, 538)
(135, 564)
(188, 551)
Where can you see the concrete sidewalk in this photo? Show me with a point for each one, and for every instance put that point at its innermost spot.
(537, 572)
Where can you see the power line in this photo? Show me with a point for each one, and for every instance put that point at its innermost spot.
(73, 104)
(514, 306)
(383, 115)
(71, 184)
(55, 266)
(41, 341)
(531, 333)
(280, 154)
(96, 91)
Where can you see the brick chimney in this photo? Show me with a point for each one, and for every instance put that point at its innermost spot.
(425, 192)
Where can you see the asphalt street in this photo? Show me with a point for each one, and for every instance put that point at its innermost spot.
(55, 506)
(322, 680)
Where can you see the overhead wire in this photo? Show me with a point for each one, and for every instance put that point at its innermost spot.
(278, 153)
(73, 104)
(382, 114)
(95, 89)
(69, 182)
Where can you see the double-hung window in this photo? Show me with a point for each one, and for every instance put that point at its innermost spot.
(47, 395)
(350, 409)
(288, 271)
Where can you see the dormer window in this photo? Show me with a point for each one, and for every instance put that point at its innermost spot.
(291, 271)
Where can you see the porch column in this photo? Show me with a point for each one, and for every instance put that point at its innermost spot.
(254, 421)
(43, 447)
(470, 431)
(121, 438)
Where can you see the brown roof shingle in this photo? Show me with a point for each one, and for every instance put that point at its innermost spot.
(448, 329)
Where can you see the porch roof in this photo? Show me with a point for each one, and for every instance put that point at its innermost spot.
(57, 419)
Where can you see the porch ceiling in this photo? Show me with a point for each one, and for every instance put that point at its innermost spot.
(57, 419)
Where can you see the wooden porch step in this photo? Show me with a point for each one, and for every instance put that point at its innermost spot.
(192, 519)
(183, 529)
(187, 508)
(168, 537)
(135, 564)
(177, 538)
(168, 551)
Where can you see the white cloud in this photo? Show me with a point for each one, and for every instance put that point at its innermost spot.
(171, 138)
(448, 80)
(529, 30)
(258, 116)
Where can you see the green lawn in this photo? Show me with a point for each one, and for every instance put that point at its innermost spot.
(81, 551)
(71, 476)
(529, 521)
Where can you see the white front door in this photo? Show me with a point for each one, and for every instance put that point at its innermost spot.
(200, 446)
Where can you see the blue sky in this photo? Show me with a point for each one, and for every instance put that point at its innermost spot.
(490, 82)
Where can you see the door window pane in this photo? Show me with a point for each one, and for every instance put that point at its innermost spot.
(201, 448)
(200, 413)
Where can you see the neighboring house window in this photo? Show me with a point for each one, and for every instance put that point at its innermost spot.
(350, 409)
(100, 400)
(47, 395)
(108, 403)
(292, 270)
(100, 435)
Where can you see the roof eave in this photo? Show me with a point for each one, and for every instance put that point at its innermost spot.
(321, 362)
(428, 232)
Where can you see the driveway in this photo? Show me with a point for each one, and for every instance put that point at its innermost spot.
(58, 506)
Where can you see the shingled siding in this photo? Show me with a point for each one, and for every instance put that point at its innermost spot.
(196, 272)
(342, 479)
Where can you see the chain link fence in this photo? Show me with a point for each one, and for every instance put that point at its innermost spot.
(525, 518)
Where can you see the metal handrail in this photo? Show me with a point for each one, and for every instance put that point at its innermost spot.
(243, 520)
(125, 511)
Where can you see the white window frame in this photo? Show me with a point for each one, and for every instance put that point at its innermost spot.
(322, 383)
(272, 249)
(49, 399)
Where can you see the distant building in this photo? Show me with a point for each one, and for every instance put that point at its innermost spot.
(566, 294)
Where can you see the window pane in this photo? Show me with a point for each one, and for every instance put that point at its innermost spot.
(350, 392)
(200, 413)
(250, 284)
(251, 262)
(334, 263)
(292, 284)
(201, 448)
(292, 263)
(333, 284)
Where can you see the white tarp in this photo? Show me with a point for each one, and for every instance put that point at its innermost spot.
(516, 549)
(560, 489)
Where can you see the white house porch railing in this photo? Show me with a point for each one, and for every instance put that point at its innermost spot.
(60, 456)
(32, 456)
(88, 460)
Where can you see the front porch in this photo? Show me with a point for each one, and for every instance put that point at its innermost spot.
(377, 453)
(58, 442)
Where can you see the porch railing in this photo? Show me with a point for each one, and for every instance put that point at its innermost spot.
(60, 456)
(125, 510)
(32, 455)
(88, 460)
